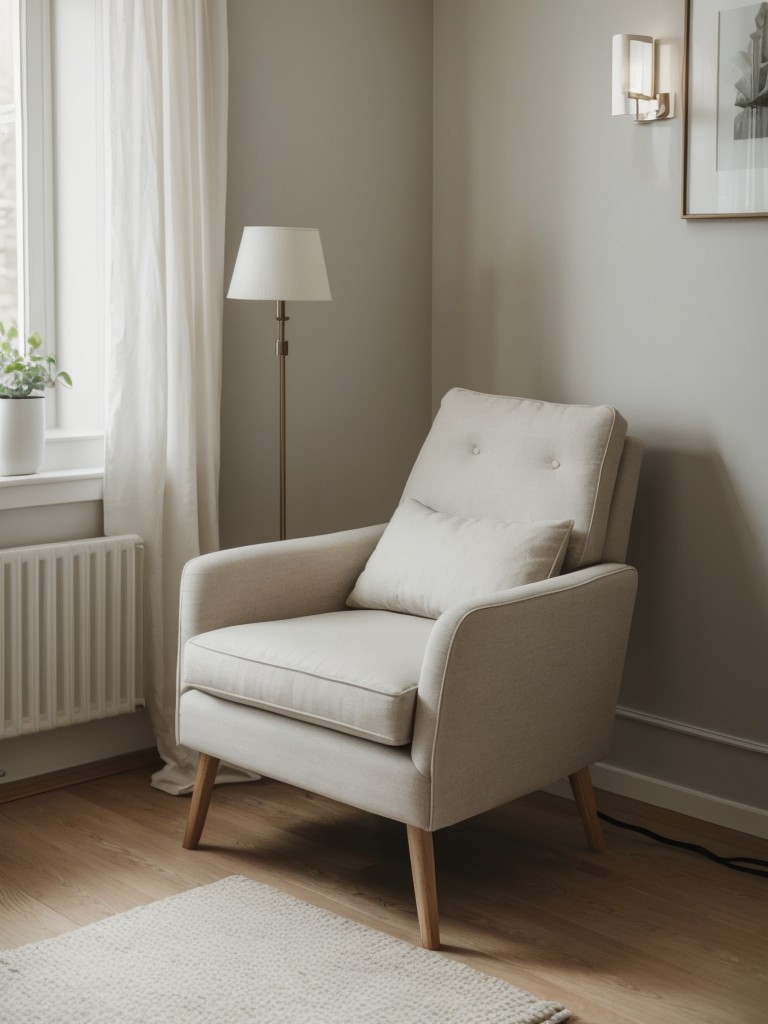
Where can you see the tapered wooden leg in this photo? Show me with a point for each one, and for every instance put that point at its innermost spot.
(424, 885)
(581, 784)
(207, 767)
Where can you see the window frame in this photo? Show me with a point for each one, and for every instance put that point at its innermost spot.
(66, 449)
(37, 287)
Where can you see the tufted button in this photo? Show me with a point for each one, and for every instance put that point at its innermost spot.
(475, 450)
(555, 464)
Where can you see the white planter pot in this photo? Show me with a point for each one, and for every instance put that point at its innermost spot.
(22, 435)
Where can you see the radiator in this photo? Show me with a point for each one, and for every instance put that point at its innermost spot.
(70, 633)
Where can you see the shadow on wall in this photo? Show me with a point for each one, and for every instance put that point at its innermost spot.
(476, 348)
(699, 646)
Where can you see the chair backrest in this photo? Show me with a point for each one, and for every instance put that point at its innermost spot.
(493, 457)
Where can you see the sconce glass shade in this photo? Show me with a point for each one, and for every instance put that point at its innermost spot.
(632, 72)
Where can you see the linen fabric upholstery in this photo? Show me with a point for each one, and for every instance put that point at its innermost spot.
(278, 580)
(507, 703)
(371, 776)
(353, 671)
(520, 690)
(493, 457)
(427, 561)
(261, 582)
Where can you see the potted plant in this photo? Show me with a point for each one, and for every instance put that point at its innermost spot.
(24, 376)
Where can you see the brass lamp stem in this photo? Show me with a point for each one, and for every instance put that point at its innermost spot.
(281, 350)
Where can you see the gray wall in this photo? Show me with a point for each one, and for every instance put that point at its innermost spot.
(330, 126)
(562, 271)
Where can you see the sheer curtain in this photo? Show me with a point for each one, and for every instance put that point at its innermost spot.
(166, 70)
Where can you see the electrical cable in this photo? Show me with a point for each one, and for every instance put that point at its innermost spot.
(735, 863)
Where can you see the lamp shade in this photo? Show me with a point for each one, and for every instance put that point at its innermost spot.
(280, 264)
(632, 71)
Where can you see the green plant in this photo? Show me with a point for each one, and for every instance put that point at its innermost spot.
(27, 371)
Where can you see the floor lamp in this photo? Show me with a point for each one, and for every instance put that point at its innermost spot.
(282, 265)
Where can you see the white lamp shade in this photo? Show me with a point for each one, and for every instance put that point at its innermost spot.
(285, 264)
(632, 71)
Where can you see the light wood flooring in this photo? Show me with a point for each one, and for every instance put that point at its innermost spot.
(642, 934)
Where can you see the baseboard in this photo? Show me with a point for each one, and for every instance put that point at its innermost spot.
(715, 809)
(79, 773)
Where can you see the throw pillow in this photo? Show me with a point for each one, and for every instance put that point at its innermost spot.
(427, 561)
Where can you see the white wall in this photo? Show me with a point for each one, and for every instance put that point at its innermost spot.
(562, 271)
(330, 126)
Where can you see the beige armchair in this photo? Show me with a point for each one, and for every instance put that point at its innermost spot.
(426, 721)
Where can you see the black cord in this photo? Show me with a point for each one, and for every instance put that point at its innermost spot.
(735, 863)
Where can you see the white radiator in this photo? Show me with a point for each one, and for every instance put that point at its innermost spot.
(70, 633)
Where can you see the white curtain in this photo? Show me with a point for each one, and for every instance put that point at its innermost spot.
(166, 70)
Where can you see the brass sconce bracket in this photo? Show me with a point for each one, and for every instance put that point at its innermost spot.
(655, 108)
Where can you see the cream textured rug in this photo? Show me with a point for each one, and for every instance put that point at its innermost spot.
(239, 952)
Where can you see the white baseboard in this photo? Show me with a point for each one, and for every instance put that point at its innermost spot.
(728, 813)
(39, 753)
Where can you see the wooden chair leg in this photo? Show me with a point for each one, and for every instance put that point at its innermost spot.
(581, 784)
(207, 767)
(424, 885)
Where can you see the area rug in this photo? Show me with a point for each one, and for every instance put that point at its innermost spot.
(239, 952)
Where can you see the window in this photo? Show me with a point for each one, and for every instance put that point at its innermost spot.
(10, 130)
(52, 225)
(27, 243)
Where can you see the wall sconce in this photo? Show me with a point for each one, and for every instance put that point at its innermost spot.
(634, 81)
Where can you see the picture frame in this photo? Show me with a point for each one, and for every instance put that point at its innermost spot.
(725, 114)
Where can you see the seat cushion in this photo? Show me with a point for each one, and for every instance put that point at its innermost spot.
(492, 457)
(352, 671)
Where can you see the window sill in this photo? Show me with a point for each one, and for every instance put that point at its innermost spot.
(51, 487)
(68, 450)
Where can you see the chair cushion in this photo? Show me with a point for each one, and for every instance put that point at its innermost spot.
(427, 561)
(353, 671)
(492, 457)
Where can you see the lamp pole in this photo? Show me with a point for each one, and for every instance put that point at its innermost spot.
(281, 350)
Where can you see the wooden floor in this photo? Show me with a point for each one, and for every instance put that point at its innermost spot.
(642, 933)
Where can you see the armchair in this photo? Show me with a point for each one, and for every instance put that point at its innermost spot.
(426, 721)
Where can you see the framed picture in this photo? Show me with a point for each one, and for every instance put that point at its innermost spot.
(725, 109)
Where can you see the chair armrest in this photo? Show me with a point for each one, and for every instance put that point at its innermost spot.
(520, 689)
(278, 580)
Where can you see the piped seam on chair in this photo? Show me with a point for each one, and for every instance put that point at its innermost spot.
(299, 716)
(431, 775)
(597, 491)
(303, 672)
(566, 579)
